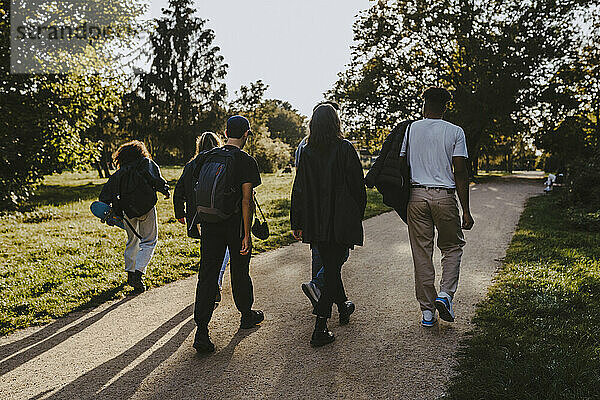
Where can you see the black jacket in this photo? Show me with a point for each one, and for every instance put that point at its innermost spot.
(149, 170)
(329, 197)
(183, 197)
(389, 175)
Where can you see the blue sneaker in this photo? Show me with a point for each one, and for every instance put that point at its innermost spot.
(428, 319)
(443, 303)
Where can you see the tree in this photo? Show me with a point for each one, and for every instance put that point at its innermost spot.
(184, 89)
(44, 120)
(270, 151)
(496, 57)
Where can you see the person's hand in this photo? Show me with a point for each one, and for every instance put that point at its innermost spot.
(467, 221)
(246, 245)
(297, 234)
(181, 220)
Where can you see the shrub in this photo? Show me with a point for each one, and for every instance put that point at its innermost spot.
(270, 154)
(584, 183)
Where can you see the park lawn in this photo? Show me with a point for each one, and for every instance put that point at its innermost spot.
(536, 333)
(57, 257)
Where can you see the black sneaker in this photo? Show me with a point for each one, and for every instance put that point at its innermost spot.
(345, 311)
(252, 319)
(137, 283)
(312, 292)
(130, 278)
(202, 342)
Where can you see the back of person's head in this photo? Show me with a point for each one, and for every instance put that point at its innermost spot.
(332, 103)
(207, 141)
(436, 99)
(130, 152)
(325, 127)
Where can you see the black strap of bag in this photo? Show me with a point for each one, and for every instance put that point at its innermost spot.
(125, 216)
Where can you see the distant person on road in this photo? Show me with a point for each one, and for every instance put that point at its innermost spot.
(549, 183)
(223, 180)
(184, 198)
(313, 289)
(437, 155)
(131, 191)
(328, 204)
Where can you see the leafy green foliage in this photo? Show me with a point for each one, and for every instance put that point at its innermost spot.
(497, 57)
(536, 332)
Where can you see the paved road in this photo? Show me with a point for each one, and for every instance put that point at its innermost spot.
(141, 347)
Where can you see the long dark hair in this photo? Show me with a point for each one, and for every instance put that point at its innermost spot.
(207, 141)
(325, 127)
(130, 152)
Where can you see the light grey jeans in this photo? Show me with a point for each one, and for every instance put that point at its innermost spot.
(428, 209)
(139, 252)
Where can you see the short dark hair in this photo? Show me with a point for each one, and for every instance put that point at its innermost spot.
(332, 103)
(130, 152)
(436, 98)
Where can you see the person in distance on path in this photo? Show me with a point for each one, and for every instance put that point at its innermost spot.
(437, 154)
(328, 204)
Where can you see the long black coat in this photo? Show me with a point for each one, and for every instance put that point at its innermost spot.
(329, 196)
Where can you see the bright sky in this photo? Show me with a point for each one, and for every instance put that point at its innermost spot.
(297, 47)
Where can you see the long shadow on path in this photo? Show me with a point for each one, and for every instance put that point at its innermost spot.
(45, 339)
(90, 385)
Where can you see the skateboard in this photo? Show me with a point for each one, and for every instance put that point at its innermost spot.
(106, 214)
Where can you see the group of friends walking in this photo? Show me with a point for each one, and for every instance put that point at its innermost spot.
(214, 199)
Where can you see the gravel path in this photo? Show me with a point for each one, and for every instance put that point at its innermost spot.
(141, 347)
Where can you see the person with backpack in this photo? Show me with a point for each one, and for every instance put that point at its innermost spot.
(223, 180)
(327, 208)
(434, 154)
(131, 191)
(184, 198)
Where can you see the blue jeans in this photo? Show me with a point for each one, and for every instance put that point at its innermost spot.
(318, 272)
(222, 272)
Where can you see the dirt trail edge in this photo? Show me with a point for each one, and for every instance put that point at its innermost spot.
(141, 347)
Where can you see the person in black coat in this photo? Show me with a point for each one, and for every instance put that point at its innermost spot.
(328, 205)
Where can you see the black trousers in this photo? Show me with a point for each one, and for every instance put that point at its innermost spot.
(215, 238)
(334, 256)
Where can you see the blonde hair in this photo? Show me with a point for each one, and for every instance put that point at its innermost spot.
(207, 141)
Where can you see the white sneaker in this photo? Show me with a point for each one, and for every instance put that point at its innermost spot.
(443, 303)
(428, 318)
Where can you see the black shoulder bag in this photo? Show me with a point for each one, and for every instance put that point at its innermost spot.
(260, 229)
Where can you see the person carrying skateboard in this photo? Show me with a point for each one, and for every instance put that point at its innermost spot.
(131, 191)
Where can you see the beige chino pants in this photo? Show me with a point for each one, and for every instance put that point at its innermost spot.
(430, 208)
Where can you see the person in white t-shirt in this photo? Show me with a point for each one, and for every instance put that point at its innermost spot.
(437, 153)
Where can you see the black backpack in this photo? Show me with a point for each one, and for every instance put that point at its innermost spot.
(217, 194)
(136, 195)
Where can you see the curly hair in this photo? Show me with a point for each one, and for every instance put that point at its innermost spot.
(130, 152)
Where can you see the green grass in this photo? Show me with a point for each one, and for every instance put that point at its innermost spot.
(58, 258)
(536, 334)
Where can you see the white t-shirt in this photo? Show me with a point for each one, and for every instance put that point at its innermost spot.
(432, 144)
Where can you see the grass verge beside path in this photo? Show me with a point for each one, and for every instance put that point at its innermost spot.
(536, 334)
(58, 258)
